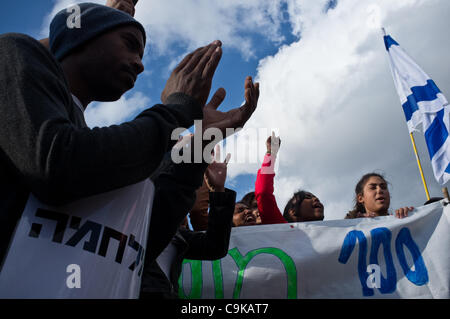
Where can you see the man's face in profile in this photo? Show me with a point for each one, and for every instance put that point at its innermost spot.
(112, 62)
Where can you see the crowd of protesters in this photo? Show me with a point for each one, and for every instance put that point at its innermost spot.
(47, 149)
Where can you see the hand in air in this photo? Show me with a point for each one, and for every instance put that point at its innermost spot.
(193, 76)
(216, 173)
(273, 144)
(123, 5)
(235, 118)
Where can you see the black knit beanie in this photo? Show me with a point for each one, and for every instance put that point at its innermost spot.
(94, 20)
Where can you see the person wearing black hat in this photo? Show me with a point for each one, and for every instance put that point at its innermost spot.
(127, 6)
(46, 147)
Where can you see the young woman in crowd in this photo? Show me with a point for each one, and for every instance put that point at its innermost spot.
(372, 198)
(302, 207)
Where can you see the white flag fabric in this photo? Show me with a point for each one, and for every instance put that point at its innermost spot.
(92, 248)
(423, 103)
(383, 257)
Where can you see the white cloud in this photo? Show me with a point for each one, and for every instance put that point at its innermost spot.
(332, 97)
(106, 114)
(190, 24)
(194, 24)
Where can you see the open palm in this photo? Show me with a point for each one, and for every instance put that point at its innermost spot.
(216, 173)
(235, 118)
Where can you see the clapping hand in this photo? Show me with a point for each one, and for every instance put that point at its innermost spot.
(235, 118)
(123, 5)
(216, 173)
(193, 76)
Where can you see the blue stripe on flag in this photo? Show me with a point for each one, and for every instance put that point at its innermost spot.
(388, 41)
(436, 134)
(409, 107)
(427, 92)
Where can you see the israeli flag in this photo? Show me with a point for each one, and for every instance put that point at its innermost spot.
(423, 103)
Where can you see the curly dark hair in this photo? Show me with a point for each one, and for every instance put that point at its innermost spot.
(294, 204)
(359, 210)
(248, 198)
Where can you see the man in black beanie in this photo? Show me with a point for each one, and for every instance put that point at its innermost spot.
(46, 147)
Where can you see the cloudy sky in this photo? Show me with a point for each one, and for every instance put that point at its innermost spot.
(326, 86)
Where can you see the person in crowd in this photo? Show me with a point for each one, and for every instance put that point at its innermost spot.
(245, 212)
(372, 198)
(160, 276)
(46, 147)
(244, 215)
(302, 207)
(250, 200)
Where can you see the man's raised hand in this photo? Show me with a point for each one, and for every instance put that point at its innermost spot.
(123, 5)
(193, 76)
(235, 118)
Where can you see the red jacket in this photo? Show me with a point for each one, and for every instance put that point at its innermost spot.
(267, 205)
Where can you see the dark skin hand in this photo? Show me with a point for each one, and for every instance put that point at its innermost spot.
(193, 76)
(216, 173)
(235, 118)
(123, 5)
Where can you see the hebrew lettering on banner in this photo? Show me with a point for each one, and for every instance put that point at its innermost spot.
(92, 248)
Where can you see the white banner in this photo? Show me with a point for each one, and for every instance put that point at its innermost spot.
(383, 257)
(92, 248)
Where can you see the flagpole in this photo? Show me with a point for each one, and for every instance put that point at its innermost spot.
(420, 166)
(383, 30)
(445, 192)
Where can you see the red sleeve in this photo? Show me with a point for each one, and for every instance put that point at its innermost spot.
(267, 205)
